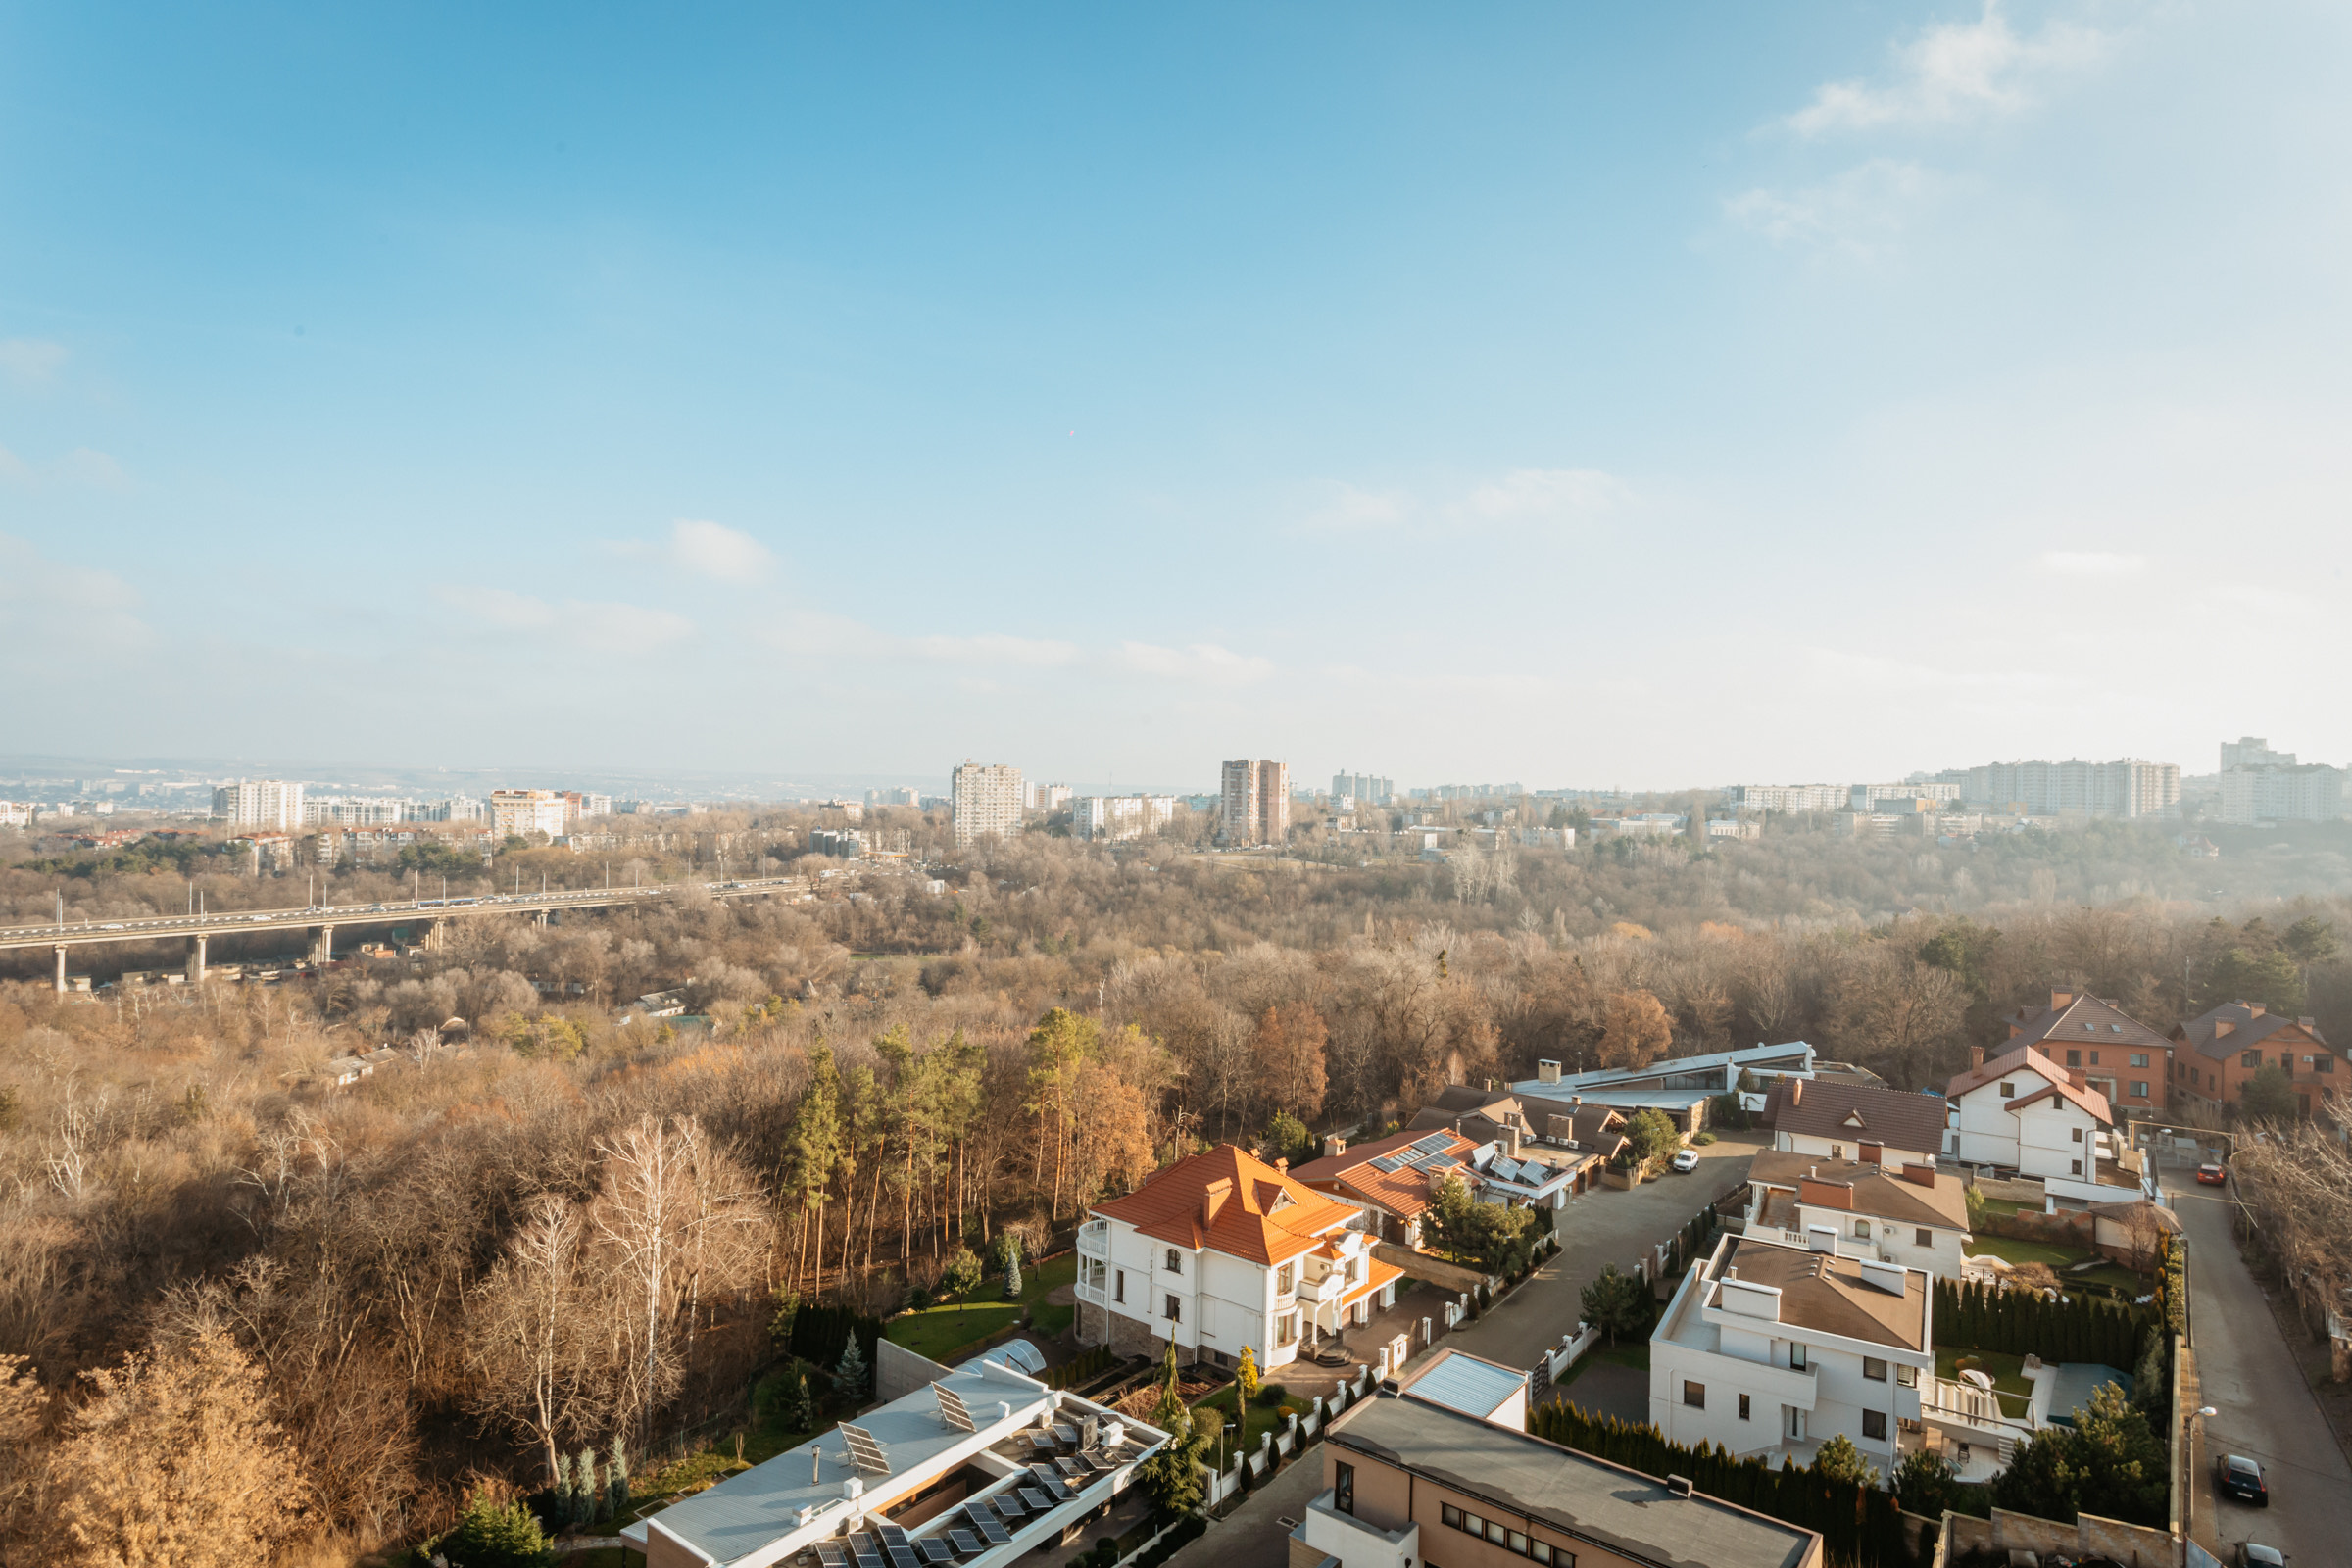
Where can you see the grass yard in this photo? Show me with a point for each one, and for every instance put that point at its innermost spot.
(944, 1333)
(2002, 1205)
(1261, 1417)
(1630, 1352)
(2060, 1259)
(2008, 1373)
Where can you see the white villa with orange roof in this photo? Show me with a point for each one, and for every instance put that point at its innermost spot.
(1221, 1253)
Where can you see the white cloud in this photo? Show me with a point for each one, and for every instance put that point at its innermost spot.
(1958, 71)
(1348, 509)
(30, 360)
(42, 600)
(1560, 494)
(80, 468)
(2093, 563)
(601, 624)
(716, 550)
(1205, 661)
(1860, 215)
(997, 648)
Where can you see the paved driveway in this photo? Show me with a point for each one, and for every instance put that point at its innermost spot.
(1253, 1535)
(2264, 1409)
(1600, 1228)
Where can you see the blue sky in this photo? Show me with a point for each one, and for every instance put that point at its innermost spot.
(1639, 395)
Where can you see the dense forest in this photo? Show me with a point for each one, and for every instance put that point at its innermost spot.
(558, 1221)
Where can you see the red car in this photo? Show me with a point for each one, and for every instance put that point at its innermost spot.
(2213, 1175)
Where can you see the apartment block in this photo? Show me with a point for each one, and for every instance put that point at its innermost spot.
(265, 802)
(1364, 788)
(1050, 797)
(1791, 796)
(988, 801)
(1120, 816)
(1254, 803)
(2252, 751)
(519, 814)
(2283, 792)
(2127, 788)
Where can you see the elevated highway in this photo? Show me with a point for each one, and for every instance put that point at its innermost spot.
(319, 921)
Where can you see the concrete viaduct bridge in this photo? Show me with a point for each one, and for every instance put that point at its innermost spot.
(318, 922)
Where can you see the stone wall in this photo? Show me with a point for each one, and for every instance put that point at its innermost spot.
(2090, 1536)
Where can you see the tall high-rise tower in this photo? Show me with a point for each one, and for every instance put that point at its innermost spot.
(988, 798)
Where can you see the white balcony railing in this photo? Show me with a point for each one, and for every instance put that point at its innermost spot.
(1094, 1238)
(1951, 1401)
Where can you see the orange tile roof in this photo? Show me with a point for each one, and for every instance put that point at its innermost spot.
(2029, 1059)
(1258, 1213)
(1402, 1192)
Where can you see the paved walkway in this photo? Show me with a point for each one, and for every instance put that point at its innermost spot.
(2264, 1409)
(1253, 1535)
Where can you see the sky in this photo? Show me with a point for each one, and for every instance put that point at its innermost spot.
(1577, 395)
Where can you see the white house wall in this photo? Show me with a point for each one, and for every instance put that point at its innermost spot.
(1892, 1242)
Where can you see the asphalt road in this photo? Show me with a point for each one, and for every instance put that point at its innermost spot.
(1600, 1228)
(2264, 1409)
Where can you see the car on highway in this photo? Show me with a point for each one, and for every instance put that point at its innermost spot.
(2251, 1555)
(2237, 1476)
(2211, 1175)
(1686, 1161)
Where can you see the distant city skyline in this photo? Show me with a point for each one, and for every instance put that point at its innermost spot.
(1628, 397)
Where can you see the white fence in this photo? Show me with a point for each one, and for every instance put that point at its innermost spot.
(1571, 1349)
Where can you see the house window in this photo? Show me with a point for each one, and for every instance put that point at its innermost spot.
(1284, 1278)
(1743, 1407)
(1874, 1425)
(1874, 1369)
(1836, 1150)
(2078, 1134)
(1175, 1310)
(2250, 1058)
(2322, 1064)
(1906, 1376)
(2139, 1058)
(1796, 1357)
(1286, 1329)
(1342, 1488)
(1118, 1286)
(1923, 1237)
(2094, 1058)
(1861, 1230)
(2077, 1167)
(2074, 1058)
(1449, 1515)
(1695, 1395)
(2008, 1091)
(2139, 1089)
(1175, 1261)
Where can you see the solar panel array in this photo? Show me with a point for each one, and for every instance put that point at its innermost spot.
(952, 1408)
(1422, 1154)
(864, 1452)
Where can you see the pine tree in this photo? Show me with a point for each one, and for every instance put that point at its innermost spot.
(586, 1494)
(559, 1511)
(492, 1535)
(617, 1482)
(852, 1372)
(1012, 1267)
(799, 1409)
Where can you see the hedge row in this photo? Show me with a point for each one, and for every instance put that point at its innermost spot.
(2019, 1322)
(1861, 1526)
(820, 1334)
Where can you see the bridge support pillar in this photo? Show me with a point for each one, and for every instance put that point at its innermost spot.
(322, 946)
(60, 968)
(196, 960)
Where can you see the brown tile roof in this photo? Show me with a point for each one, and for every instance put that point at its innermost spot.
(1852, 1111)
(1599, 1127)
(1819, 1291)
(1402, 1192)
(2249, 1024)
(1879, 1192)
(1259, 1213)
(2080, 1021)
(2030, 1059)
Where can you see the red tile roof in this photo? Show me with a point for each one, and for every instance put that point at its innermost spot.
(1402, 1192)
(2029, 1059)
(1231, 1202)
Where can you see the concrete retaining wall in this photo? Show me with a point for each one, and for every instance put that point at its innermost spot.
(2090, 1536)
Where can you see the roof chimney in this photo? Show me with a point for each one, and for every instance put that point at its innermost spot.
(1282, 1164)
(1547, 1072)
(2061, 998)
(1334, 1145)
(1976, 1056)
(2254, 1007)
(1825, 1194)
(2082, 1079)
(1797, 1090)
(1873, 1153)
(1923, 1175)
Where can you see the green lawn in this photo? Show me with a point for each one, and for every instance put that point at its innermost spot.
(945, 1333)
(2023, 1251)
(2002, 1205)
(1262, 1416)
(2009, 1379)
(1626, 1352)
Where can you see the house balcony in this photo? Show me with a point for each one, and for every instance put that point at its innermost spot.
(1322, 1291)
(1094, 1238)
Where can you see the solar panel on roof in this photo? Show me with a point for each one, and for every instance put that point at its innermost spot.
(966, 1543)
(952, 1408)
(830, 1556)
(864, 1452)
(1388, 1163)
(1434, 1143)
(935, 1551)
(992, 1529)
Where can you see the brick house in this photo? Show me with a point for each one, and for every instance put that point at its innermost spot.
(2215, 1053)
(1221, 1253)
(2118, 1055)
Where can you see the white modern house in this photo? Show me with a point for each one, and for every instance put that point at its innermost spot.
(2021, 1111)
(1773, 1348)
(970, 1462)
(1222, 1252)
(1913, 1214)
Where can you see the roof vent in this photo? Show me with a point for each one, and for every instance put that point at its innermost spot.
(1679, 1486)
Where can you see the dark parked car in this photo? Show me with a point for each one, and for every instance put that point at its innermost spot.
(2213, 1175)
(2250, 1555)
(2241, 1477)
